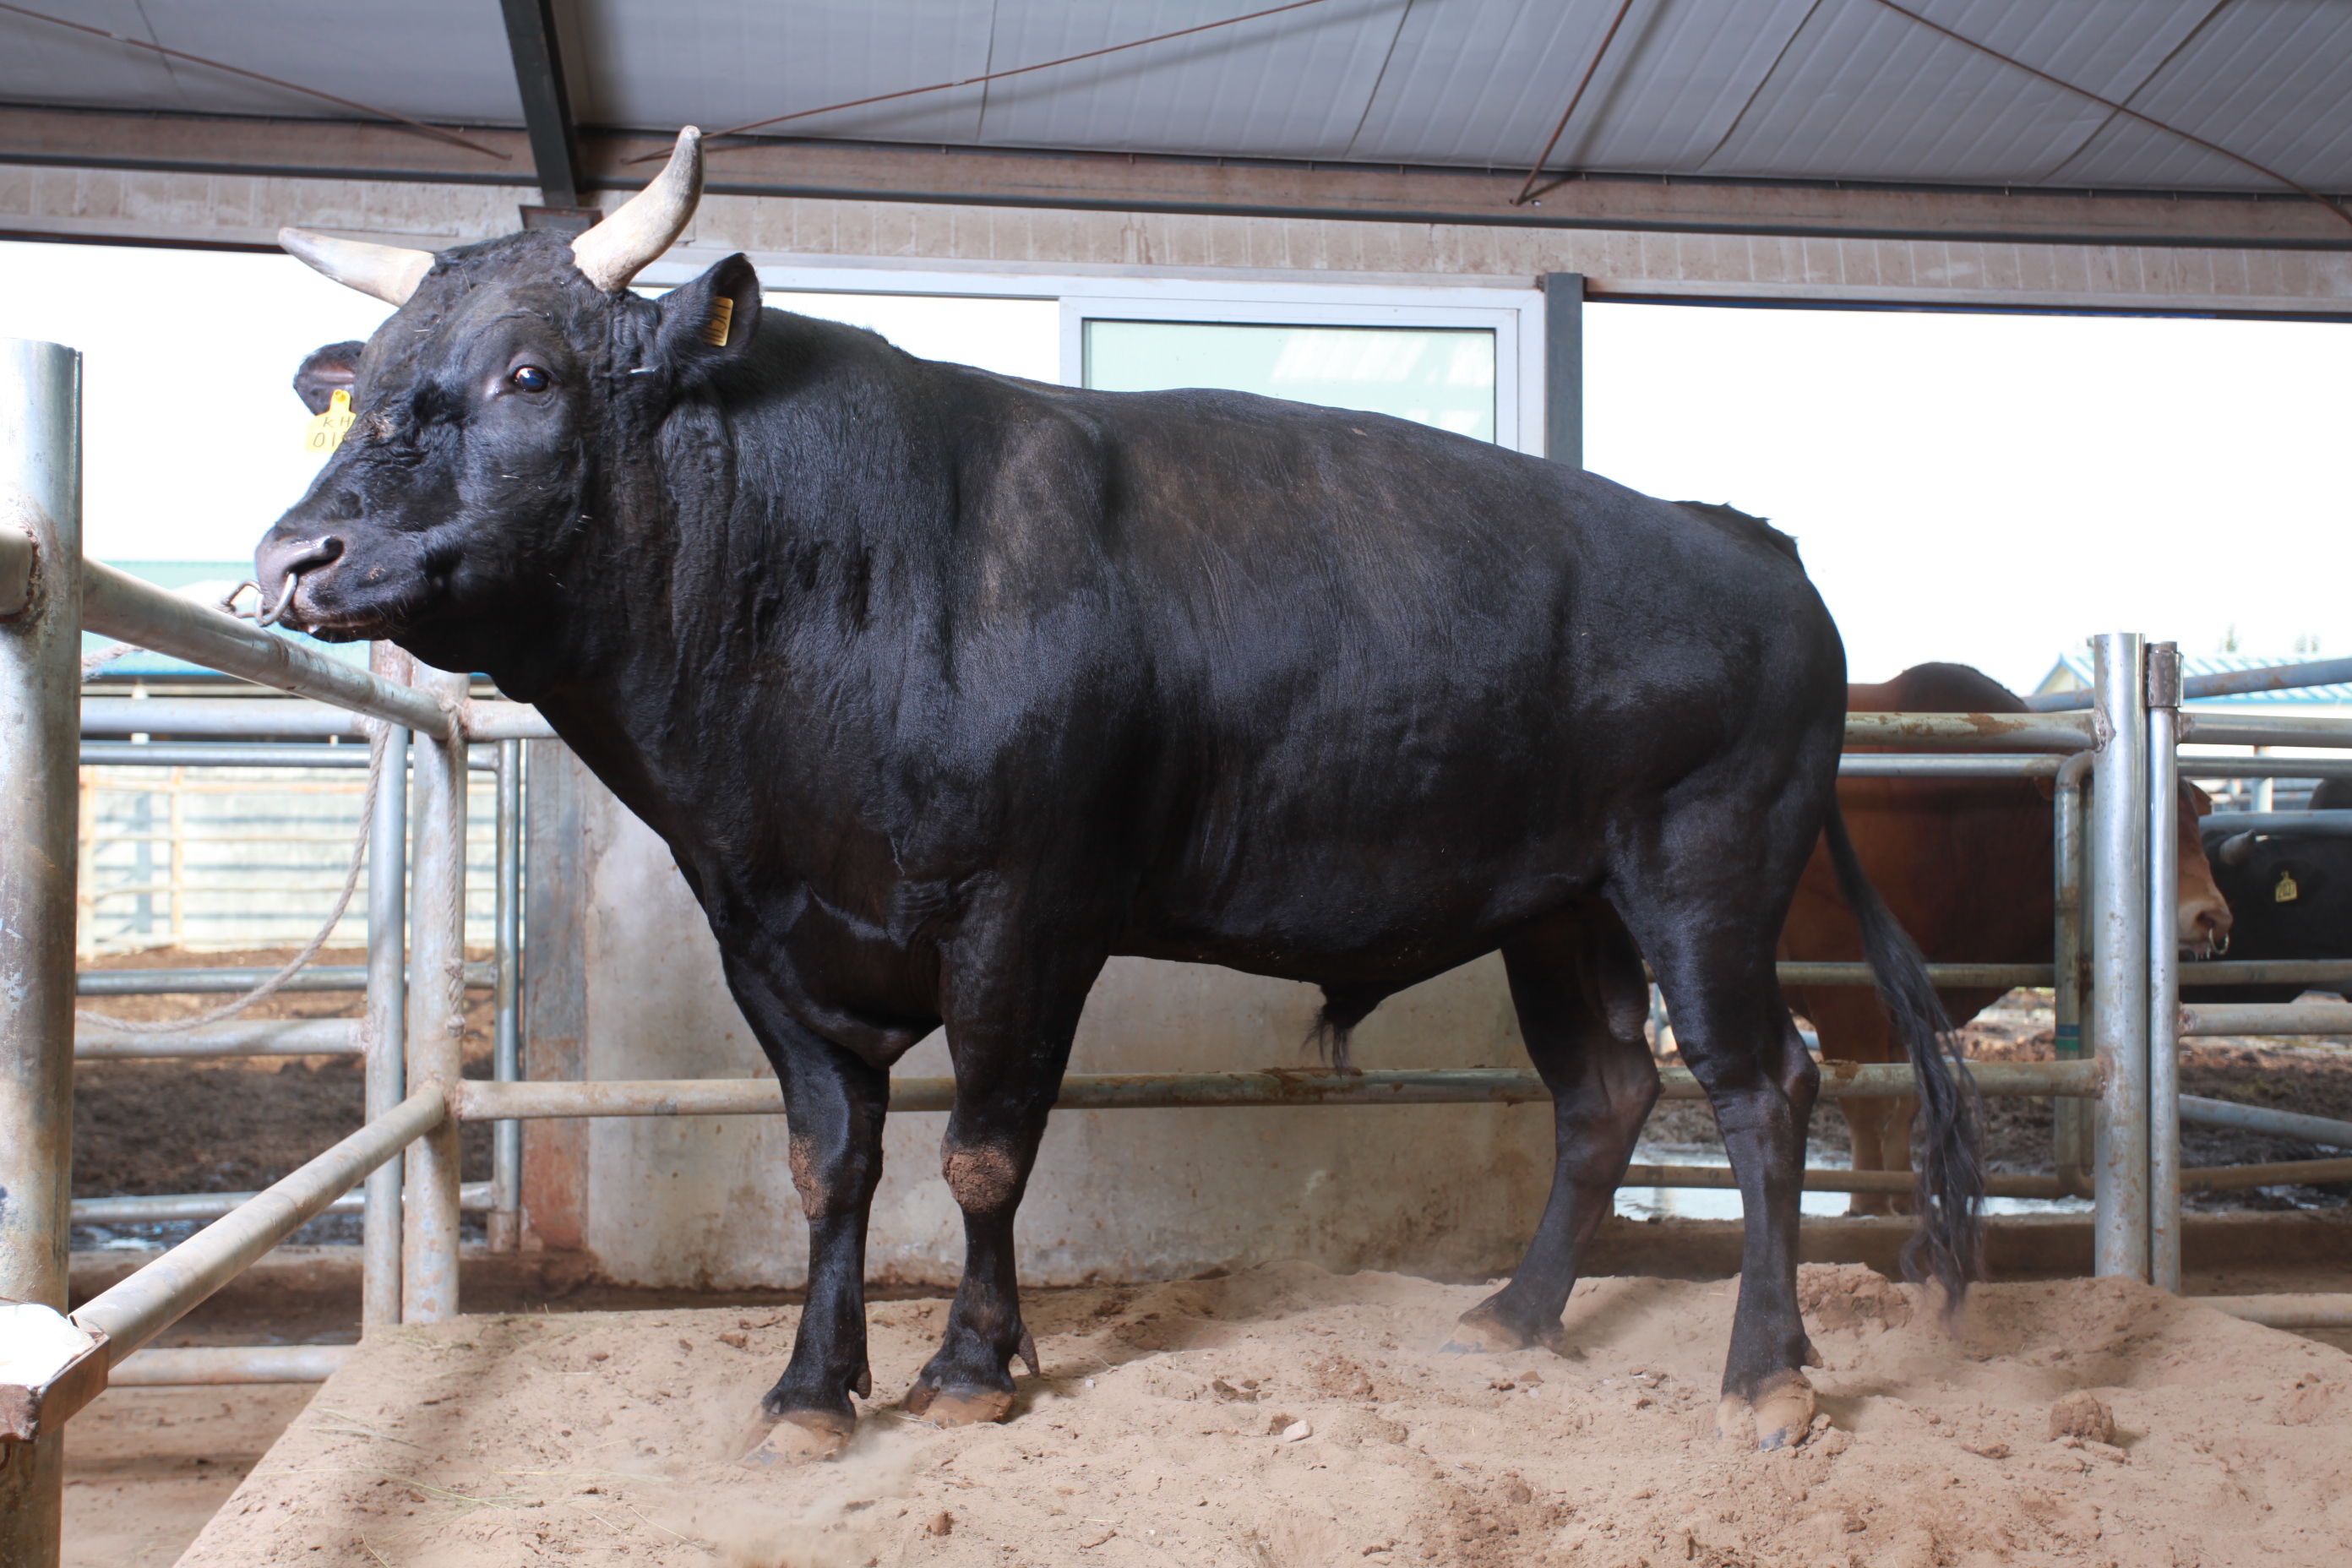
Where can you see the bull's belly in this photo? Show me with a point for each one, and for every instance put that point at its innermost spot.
(1391, 930)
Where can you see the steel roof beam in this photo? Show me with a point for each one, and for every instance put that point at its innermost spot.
(546, 105)
(853, 171)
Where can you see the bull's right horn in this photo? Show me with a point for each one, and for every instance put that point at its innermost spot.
(648, 224)
(386, 271)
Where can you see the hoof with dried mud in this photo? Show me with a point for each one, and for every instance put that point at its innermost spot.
(1780, 1417)
(958, 1407)
(802, 1437)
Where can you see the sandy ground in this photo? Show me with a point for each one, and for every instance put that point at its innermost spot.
(145, 1467)
(1156, 1435)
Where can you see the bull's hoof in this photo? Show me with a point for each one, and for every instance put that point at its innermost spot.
(1781, 1416)
(965, 1407)
(802, 1437)
(1481, 1331)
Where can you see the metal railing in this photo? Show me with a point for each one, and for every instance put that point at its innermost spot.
(406, 1153)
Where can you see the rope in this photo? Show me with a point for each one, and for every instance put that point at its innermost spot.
(376, 750)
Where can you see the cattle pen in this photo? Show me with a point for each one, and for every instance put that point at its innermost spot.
(2115, 976)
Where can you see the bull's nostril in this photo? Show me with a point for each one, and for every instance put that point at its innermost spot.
(310, 554)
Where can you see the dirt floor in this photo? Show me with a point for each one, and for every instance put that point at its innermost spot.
(1289, 1418)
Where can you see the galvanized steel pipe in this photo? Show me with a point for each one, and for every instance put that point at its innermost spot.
(2320, 1130)
(2287, 1309)
(428, 1251)
(230, 754)
(116, 604)
(2213, 727)
(1895, 766)
(2284, 1173)
(243, 716)
(1972, 731)
(476, 1100)
(2205, 1019)
(2116, 933)
(2283, 823)
(165, 1207)
(387, 1012)
(204, 1367)
(505, 1231)
(138, 1308)
(2163, 967)
(2070, 1120)
(40, 644)
(1818, 1180)
(209, 982)
(259, 1037)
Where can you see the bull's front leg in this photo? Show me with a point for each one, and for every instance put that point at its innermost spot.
(1009, 1062)
(834, 1103)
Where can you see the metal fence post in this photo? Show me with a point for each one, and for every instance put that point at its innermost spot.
(2070, 1119)
(506, 1137)
(2164, 966)
(40, 644)
(436, 1011)
(387, 1008)
(2118, 932)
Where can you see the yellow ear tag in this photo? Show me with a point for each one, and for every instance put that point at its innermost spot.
(2286, 892)
(325, 433)
(722, 316)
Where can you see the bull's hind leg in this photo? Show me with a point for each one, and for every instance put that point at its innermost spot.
(1578, 987)
(1009, 1030)
(1741, 1043)
(1706, 901)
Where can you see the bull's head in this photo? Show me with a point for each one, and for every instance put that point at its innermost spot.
(496, 411)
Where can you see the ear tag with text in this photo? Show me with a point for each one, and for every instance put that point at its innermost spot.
(325, 433)
(722, 316)
(2286, 892)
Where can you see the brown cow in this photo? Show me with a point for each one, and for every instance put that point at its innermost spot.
(1964, 864)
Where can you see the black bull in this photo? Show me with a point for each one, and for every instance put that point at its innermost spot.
(945, 687)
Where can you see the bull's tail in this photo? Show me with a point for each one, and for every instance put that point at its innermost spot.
(1949, 1244)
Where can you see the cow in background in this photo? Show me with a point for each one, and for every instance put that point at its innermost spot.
(1966, 865)
(2293, 899)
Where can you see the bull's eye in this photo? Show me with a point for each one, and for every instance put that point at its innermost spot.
(531, 378)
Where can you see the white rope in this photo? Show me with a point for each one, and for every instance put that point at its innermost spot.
(376, 749)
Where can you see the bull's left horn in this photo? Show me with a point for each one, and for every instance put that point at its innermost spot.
(386, 271)
(648, 224)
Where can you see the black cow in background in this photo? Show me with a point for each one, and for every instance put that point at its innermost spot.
(945, 687)
(2291, 898)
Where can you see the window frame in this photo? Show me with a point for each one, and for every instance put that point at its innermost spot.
(1514, 314)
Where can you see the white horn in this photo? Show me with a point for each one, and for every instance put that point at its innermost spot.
(386, 271)
(618, 248)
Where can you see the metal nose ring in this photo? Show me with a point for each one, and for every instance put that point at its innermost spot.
(277, 612)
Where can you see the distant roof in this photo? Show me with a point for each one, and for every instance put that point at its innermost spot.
(2073, 673)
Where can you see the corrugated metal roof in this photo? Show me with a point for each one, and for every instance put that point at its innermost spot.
(2073, 673)
(1812, 89)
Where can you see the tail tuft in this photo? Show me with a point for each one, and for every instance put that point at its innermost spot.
(1949, 1245)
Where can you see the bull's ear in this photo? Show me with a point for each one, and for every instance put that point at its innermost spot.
(711, 321)
(328, 371)
(2198, 798)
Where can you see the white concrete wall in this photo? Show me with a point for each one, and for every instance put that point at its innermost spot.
(1121, 1195)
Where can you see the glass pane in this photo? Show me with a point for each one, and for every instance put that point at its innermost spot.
(1440, 376)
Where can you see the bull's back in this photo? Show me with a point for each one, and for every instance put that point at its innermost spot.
(1397, 672)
